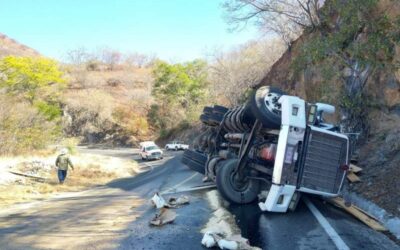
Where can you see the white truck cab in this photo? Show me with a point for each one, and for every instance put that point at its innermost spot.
(318, 174)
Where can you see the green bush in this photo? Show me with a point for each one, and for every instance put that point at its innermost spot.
(23, 128)
(30, 113)
(180, 91)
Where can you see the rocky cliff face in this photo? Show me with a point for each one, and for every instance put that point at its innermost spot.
(378, 151)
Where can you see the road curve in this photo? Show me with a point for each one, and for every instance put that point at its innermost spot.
(116, 216)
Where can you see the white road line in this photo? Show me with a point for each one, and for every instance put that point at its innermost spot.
(179, 184)
(326, 226)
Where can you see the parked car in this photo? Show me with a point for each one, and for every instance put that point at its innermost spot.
(275, 144)
(150, 151)
(176, 145)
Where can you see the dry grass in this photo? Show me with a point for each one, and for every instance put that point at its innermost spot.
(90, 171)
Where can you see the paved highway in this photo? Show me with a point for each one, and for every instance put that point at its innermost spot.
(117, 215)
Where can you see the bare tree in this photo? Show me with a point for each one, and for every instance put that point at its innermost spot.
(78, 56)
(110, 57)
(138, 59)
(287, 18)
(234, 72)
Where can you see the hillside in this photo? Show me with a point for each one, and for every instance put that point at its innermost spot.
(9, 46)
(100, 104)
(367, 103)
(115, 113)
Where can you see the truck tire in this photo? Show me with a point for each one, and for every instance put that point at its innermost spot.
(208, 110)
(215, 118)
(230, 189)
(194, 160)
(220, 109)
(204, 118)
(263, 106)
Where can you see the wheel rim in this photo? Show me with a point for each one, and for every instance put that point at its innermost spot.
(236, 184)
(272, 104)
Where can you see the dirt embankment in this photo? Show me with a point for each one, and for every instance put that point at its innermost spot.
(187, 135)
(379, 152)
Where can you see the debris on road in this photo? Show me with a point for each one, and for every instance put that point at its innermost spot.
(355, 169)
(221, 229)
(173, 202)
(234, 242)
(164, 217)
(360, 214)
(351, 175)
(158, 201)
(176, 202)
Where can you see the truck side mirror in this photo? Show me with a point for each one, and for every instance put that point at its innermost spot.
(324, 107)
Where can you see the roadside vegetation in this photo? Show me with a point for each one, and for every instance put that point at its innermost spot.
(115, 99)
(180, 91)
(30, 103)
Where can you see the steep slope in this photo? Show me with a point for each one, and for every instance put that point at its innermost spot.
(9, 46)
(378, 106)
(115, 113)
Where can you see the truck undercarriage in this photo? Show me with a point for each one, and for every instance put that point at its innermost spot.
(276, 145)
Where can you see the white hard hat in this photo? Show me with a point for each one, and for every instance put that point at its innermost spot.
(64, 151)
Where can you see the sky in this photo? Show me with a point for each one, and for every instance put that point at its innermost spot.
(174, 30)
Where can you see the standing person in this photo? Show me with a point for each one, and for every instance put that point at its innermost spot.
(63, 162)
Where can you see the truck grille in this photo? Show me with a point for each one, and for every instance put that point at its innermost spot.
(156, 154)
(325, 153)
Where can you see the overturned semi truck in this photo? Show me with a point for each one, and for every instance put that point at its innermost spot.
(275, 144)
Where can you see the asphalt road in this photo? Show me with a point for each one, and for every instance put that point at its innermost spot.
(116, 216)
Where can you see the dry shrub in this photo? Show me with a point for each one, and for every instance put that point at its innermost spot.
(90, 170)
(23, 128)
(131, 121)
(96, 102)
(234, 72)
(77, 180)
(113, 82)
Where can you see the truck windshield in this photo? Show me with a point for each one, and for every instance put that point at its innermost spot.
(151, 148)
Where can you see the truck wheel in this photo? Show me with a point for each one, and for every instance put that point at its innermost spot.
(195, 160)
(220, 109)
(265, 106)
(233, 190)
(208, 110)
(212, 166)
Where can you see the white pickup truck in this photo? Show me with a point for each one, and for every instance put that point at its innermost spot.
(176, 145)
